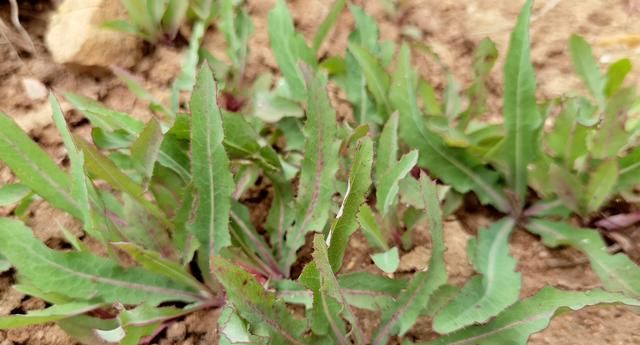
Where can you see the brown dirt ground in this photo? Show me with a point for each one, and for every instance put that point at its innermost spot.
(452, 29)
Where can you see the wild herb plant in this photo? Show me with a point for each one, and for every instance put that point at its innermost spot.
(156, 21)
(166, 202)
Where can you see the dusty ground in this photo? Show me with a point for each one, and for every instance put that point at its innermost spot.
(451, 28)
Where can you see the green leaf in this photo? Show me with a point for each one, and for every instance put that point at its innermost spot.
(210, 168)
(370, 227)
(328, 22)
(258, 307)
(145, 151)
(104, 118)
(237, 28)
(521, 117)
(600, 187)
(387, 261)
(453, 166)
(611, 136)
(12, 193)
(155, 263)
(616, 272)
(616, 74)
(35, 168)
(567, 187)
(105, 169)
(319, 166)
(289, 48)
(629, 171)
(388, 183)
(587, 67)
(346, 222)
(81, 275)
(370, 291)
(399, 318)
(234, 330)
(568, 138)
(518, 322)
(329, 284)
(51, 314)
(495, 289)
(4, 264)
(484, 58)
(377, 78)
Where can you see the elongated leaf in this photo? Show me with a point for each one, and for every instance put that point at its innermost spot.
(257, 306)
(453, 166)
(388, 183)
(484, 58)
(387, 153)
(329, 284)
(145, 151)
(12, 193)
(602, 182)
(611, 136)
(629, 171)
(616, 272)
(411, 302)
(521, 117)
(104, 118)
(319, 166)
(53, 313)
(346, 222)
(157, 264)
(377, 78)
(289, 48)
(518, 322)
(35, 168)
(82, 275)
(210, 167)
(328, 22)
(587, 67)
(616, 74)
(370, 227)
(487, 295)
(105, 169)
(280, 214)
(81, 188)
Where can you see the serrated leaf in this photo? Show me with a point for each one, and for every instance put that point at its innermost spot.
(453, 166)
(145, 151)
(387, 261)
(289, 48)
(329, 285)
(234, 330)
(616, 272)
(411, 302)
(600, 187)
(318, 170)
(51, 314)
(346, 222)
(518, 322)
(488, 294)
(257, 306)
(82, 275)
(12, 193)
(587, 67)
(35, 168)
(521, 117)
(212, 177)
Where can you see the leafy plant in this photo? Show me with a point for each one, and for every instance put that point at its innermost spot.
(167, 202)
(161, 20)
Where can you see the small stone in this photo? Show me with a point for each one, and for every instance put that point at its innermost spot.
(416, 260)
(76, 35)
(35, 89)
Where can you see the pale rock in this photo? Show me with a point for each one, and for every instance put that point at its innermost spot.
(35, 89)
(76, 35)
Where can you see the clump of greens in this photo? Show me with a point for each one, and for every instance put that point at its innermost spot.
(168, 200)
